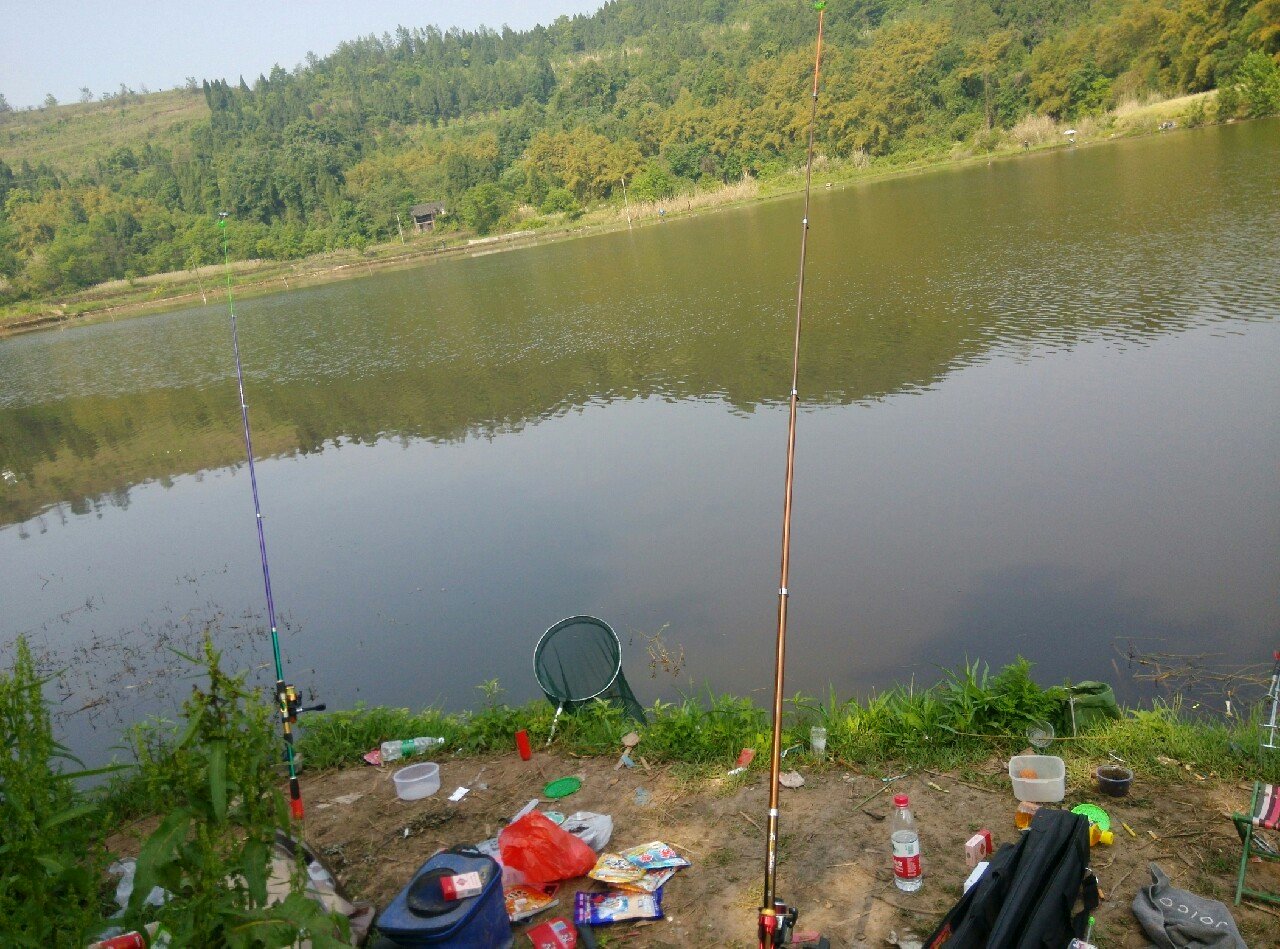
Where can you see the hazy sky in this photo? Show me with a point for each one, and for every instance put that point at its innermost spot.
(59, 46)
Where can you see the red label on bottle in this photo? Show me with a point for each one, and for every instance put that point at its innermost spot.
(906, 868)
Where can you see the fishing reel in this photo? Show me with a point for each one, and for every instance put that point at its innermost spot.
(290, 708)
(290, 704)
(777, 928)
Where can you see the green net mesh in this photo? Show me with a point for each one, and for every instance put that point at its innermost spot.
(578, 660)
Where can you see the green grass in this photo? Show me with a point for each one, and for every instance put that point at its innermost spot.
(960, 722)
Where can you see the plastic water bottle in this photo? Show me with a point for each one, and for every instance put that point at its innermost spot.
(395, 750)
(906, 846)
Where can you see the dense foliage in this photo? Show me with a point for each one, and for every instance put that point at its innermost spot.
(216, 784)
(48, 848)
(214, 780)
(667, 94)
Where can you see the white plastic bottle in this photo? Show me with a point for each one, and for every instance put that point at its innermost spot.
(906, 846)
(395, 750)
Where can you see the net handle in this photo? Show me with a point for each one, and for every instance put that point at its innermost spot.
(568, 621)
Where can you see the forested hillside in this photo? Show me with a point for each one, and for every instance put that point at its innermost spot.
(666, 94)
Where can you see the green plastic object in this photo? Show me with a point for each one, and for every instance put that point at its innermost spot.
(1095, 815)
(561, 787)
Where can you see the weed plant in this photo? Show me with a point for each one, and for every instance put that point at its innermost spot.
(52, 855)
(211, 777)
(212, 852)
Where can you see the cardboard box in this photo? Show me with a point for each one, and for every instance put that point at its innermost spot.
(977, 848)
(460, 886)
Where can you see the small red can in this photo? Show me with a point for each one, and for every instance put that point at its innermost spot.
(522, 745)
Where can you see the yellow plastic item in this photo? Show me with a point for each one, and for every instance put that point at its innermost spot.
(1099, 836)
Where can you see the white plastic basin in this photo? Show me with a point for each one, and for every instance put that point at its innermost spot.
(1047, 787)
(417, 780)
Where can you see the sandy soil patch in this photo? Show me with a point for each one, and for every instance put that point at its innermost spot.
(834, 861)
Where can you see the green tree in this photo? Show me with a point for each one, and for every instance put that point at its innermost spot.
(483, 206)
(1258, 80)
(561, 201)
(1261, 26)
(653, 183)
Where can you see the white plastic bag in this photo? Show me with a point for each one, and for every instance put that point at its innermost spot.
(594, 830)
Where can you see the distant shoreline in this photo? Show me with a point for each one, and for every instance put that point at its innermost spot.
(206, 286)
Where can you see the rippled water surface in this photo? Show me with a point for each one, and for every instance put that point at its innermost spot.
(1040, 419)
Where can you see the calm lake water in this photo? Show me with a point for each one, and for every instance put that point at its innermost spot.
(1040, 419)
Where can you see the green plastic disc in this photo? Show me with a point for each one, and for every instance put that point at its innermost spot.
(1095, 814)
(561, 787)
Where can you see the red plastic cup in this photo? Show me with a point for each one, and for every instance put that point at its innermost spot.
(522, 745)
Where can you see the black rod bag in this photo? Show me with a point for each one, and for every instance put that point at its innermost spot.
(1028, 895)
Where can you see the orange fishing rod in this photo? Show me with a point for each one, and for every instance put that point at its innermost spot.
(776, 918)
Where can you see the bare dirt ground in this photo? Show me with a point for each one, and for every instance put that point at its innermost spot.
(834, 857)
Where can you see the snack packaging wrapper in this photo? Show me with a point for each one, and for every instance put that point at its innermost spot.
(654, 855)
(612, 868)
(553, 934)
(600, 909)
(651, 882)
(524, 901)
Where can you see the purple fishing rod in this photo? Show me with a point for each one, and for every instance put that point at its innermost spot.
(286, 695)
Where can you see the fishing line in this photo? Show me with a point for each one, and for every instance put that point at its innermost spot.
(286, 695)
(776, 919)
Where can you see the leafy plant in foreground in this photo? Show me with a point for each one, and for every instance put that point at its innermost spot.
(51, 851)
(212, 852)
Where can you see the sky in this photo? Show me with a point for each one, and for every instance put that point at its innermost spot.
(59, 46)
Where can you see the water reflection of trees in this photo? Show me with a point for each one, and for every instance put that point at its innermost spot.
(90, 451)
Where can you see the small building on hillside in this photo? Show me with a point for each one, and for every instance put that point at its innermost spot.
(424, 215)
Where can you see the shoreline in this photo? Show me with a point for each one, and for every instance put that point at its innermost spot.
(833, 852)
(947, 747)
(178, 289)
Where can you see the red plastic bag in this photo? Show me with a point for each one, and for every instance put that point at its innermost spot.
(542, 851)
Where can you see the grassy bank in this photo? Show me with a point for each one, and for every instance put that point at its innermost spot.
(963, 720)
(202, 799)
(205, 285)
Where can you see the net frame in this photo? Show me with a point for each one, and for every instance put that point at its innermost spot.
(579, 620)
